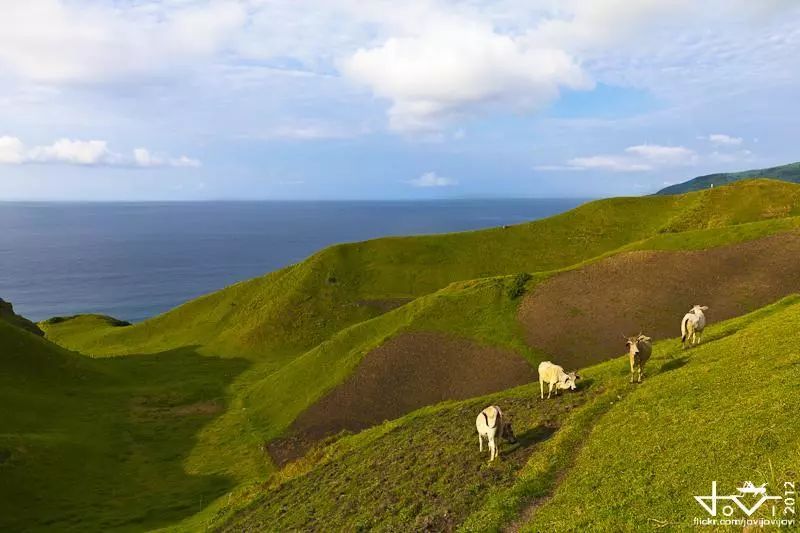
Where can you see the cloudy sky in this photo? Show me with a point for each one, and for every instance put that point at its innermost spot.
(246, 99)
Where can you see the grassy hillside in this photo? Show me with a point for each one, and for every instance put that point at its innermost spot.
(790, 172)
(88, 445)
(609, 457)
(8, 315)
(727, 412)
(246, 361)
(287, 312)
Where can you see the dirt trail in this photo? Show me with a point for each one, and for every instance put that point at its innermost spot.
(580, 316)
(407, 372)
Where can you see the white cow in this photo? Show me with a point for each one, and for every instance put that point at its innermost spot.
(692, 325)
(490, 424)
(556, 378)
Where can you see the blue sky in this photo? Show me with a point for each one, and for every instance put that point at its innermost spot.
(302, 99)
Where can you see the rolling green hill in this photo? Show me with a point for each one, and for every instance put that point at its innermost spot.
(285, 313)
(612, 456)
(94, 445)
(790, 173)
(202, 391)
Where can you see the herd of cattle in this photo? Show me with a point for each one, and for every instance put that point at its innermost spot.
(491, 423)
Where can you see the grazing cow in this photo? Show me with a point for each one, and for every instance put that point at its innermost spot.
(639, 351)
(692, 325)
(556, 378)
(490, 424)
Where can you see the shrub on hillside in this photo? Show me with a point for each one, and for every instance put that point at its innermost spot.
(517, 287)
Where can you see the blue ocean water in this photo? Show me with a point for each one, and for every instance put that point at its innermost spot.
(135, 260)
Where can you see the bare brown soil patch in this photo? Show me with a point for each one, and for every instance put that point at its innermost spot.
(407, 372)
(579, 316)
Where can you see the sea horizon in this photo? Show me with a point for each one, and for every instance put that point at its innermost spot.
(134, 260)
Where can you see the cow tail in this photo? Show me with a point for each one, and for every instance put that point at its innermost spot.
(684, 329)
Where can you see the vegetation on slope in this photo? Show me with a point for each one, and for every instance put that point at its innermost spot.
(88, 445)
(790, 172)
(285, 313)
(304, 329)
(610, 450)
(8, 315)
(726, 411)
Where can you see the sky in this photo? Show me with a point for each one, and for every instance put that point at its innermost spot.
(378, 99)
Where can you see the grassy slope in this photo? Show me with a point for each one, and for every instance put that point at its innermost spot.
(726, 411)
(89, 445)
(586, 444)
(790, 172)
(303, 332)
(282, 314)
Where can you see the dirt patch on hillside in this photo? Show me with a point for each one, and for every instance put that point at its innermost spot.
(407, 372)
(579, 316)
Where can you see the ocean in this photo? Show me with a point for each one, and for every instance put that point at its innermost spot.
(136, 260)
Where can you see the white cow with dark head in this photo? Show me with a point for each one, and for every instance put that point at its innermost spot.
(492, 425)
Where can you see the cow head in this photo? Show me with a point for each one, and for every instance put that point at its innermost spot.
(699, 308)
(632, 343)
(508, 432)
(568, 380)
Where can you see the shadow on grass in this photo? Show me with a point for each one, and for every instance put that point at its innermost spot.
(123, 437)
(674, 364)
(536, 435)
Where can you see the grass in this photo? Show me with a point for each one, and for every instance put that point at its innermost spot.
(266, 349)
(89, 445)
(283, 314)
(790, 172)
(726, 411)
(606, 458)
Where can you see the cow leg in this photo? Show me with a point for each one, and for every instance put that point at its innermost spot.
(633, 368)
(480, 442)
(640, 374)
(541, 387)
(549, 390)
(492, 450)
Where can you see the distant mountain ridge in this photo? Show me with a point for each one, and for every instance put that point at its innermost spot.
(790, 172)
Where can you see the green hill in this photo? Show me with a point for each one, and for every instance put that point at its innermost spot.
(610, 457)
(790, 173)
(8, 315)
(94, 445)
(282, 314)
(203, 392)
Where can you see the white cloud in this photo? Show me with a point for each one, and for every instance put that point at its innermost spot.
(56, 41)
(310, 131)
(73, 152)
(84, 153)
(446, 72)
(663, 155)
(143, 158)
(638, 158)
(12, 151)
(608, 162)
(431, 179)
(721, 139)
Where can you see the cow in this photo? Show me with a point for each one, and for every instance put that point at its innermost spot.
(692, 326)
(492, 424)
(556, 378)
(639, 351)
